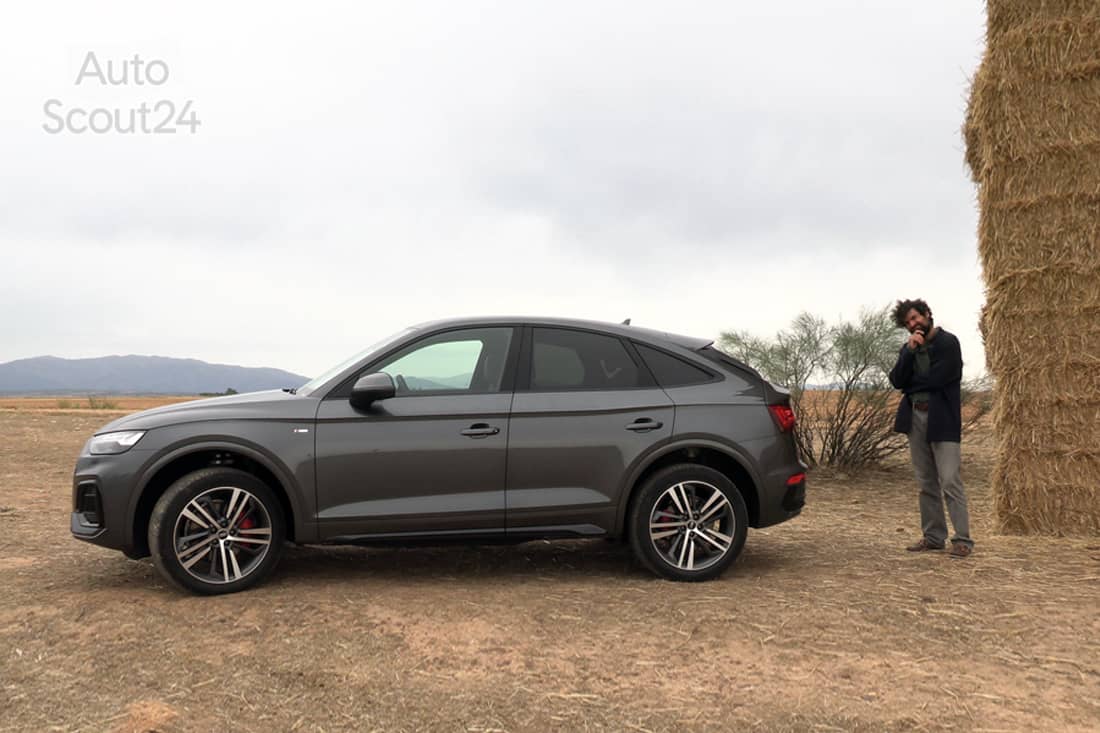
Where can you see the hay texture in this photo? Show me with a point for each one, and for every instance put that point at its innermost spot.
(1033, 146)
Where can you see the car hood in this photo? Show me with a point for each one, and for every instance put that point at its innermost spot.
(273, 404)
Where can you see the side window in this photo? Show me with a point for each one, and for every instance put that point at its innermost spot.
(471, 360)
(563, 359)
(670, 370)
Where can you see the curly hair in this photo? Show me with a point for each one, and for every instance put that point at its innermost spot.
(901, 310)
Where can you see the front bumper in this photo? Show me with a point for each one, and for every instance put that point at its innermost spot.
(108, 521)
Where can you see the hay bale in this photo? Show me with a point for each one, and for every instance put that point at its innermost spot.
(1033, 147)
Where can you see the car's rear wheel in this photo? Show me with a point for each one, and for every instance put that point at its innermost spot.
(688, 523)
(217, 530)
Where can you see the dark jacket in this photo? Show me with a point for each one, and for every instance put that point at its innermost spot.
(941, 383)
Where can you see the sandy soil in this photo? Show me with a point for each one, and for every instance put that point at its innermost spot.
(825, 623)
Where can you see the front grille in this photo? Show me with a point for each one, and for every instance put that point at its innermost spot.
(88, 504)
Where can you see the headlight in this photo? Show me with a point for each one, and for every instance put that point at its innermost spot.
(111, 443)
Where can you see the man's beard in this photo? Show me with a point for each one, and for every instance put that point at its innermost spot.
(923, 329)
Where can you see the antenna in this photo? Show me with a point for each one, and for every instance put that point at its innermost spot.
(626, 322)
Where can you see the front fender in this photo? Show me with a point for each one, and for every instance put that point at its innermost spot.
(294, 474)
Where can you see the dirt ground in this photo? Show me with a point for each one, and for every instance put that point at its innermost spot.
(824, 624)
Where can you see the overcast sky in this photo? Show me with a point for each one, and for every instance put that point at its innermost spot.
(360, 167)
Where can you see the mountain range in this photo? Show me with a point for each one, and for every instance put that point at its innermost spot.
(136, 375)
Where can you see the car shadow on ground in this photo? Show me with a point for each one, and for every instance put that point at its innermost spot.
(585, 557)
(588, 558)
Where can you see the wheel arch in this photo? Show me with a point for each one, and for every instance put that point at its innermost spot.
(724, 458)
(184, 459)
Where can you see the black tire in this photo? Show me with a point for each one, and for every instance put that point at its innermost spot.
(237, 556)
(671, 553)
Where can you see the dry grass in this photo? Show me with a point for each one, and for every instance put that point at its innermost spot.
(824, 624)
(821, 401)
(114, 404)
(1034, 150)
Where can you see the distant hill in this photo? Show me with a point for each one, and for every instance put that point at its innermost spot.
(460, 381)
(136, 375)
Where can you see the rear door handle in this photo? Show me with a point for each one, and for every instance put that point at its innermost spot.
(644, 424)
(480, 430)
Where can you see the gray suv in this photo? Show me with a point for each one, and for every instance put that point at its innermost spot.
(472, 430)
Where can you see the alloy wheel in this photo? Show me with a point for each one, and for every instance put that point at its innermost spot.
(222, 535)
(692, 525)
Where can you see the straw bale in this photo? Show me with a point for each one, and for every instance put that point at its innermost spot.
(1034, 507)
(1033, 147)
(1057, 174)
(1065, 289)
(1031, 336)
(1047, 379)
(1048, 49)
(1050, 422)
(1005, 16)
(1040, 120)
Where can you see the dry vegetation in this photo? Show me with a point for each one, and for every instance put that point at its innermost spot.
(824, 624)
(96, 404)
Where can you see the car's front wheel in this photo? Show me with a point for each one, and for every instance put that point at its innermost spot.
(689, 522)
(217, 530)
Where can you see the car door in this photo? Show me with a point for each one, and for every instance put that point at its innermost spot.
(584, 411)
(431, 459)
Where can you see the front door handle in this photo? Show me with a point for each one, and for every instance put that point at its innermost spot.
(480, 430)
(644, 425)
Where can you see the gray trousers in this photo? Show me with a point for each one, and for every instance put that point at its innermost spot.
(937, 468)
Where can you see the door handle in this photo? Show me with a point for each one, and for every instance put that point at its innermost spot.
(480, 430)
(644, 424)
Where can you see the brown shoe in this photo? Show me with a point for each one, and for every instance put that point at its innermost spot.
(960, 550)
(923, 545)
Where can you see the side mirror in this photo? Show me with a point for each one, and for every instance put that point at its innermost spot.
(370, 388)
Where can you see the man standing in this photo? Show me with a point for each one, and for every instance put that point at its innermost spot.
(928, 372)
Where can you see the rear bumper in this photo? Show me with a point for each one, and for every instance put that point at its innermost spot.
(780, 501)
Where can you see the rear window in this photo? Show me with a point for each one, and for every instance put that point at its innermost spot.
(672, 371)
(579, 360)
(725, 360)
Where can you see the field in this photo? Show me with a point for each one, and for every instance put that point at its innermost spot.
(78, 403)
(824, 624)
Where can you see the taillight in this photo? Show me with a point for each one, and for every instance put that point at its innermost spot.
(784, 417)
(796, 479)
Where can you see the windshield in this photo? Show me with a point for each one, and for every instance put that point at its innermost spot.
(319, 380)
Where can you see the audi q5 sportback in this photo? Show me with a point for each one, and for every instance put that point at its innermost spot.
(474, 430)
